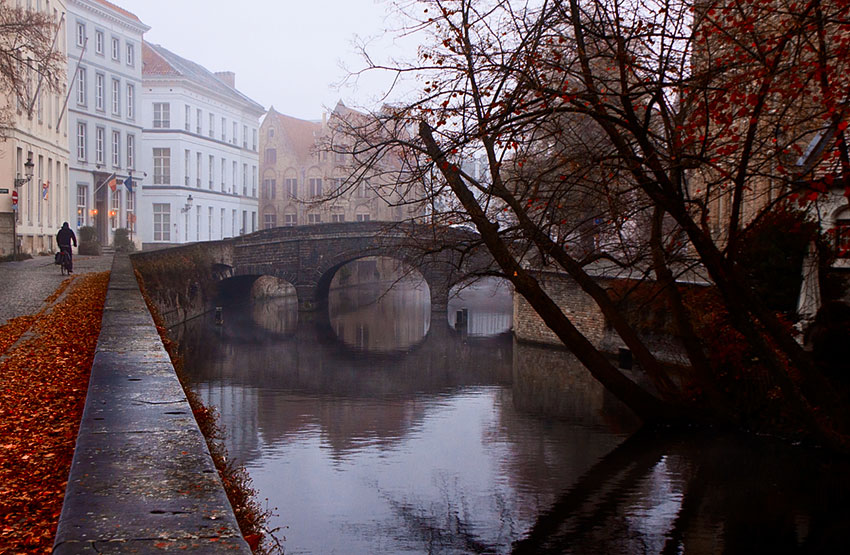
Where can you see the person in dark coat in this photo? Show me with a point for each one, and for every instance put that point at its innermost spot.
(64, 239)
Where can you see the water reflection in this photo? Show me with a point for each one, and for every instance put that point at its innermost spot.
(448, 443)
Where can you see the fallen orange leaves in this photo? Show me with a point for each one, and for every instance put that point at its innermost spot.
(43, 384)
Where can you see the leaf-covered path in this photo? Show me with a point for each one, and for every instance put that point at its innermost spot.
(45, 361)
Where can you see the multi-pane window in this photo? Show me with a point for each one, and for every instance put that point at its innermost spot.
(198, 170)
(186, 158)
(271, 156)
(223, 173)
(162, 166)
(244, 136)
(212, 171)
(211, 130)
(81, 34)
(198, 120)
(131, 101)
(99, 146)
(116, 49)
(81, 141)
(131, 55)
(116, 148)
(269, 188)
(82, 205)
(131, 152)
(290, 187)
(315, 184)
(210, 224)
(188, 124)
(314, 218)
(244, 180)
(98, 42)
(81, 86)
(254, 181)
(224, 129)
(98, 91)
(161, 221)
(338, 217)
(269, 221)
(234, 137)
(161, 115)
(234, 183)
(116, 96)
(363, 217)
(254, 132)
(221, 227)
(131, 211)
(115, 211)
(290, 220)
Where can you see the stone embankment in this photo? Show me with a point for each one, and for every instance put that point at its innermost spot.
(142, 479)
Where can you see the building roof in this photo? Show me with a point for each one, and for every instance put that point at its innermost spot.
(161, 62)
(301, 134)
(118, 9)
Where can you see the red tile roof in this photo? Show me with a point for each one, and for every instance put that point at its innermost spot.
(118, 9)
(301, 134)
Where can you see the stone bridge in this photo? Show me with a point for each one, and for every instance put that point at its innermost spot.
(308, 256)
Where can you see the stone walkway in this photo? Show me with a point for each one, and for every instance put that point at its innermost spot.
(26, 284)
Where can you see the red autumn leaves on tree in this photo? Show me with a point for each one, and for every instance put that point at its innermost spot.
(43, 384)
(651, 134)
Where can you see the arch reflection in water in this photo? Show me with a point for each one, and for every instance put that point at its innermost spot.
(489, 306)
(378, 304)
(483, 445)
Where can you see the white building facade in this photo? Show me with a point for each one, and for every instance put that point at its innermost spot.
(32, 210)
(104, 120)
(200, 150)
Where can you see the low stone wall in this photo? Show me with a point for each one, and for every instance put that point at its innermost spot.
(586, 316)
(142, 479)
(7, 245)
(182, 281)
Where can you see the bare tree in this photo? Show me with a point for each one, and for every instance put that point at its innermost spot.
(651, 133)
(30, 63)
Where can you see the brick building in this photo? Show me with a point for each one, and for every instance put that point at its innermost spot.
(304, 181)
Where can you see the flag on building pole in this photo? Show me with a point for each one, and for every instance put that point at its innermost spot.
(113, 182)
(129, 184)
(44, 187)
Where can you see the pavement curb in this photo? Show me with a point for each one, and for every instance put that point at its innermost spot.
(142, 479)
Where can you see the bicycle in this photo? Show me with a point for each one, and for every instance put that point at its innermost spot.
(63, 259)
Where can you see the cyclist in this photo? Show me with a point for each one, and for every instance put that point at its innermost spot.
(63, 239)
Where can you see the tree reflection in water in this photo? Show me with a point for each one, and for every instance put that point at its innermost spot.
(442, 443)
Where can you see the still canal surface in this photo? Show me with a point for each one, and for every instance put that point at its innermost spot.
(379, 428)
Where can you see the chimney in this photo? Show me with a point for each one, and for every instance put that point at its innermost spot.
(227, 77)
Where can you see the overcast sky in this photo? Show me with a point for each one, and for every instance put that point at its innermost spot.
(285, 53)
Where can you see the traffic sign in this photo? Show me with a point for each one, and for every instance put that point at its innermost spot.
(14, 198)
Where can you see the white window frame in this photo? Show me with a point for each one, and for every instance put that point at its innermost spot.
(99, 83)
(162, 166)
(131, 152)
(99, 145)
(161, 221)
(116, 49)
(161, 115)
(81, 87)
(81, 141)
(131, 101)
(98, 42)
(116, 149)
(131, 54)
(81, 34)
(116, 97)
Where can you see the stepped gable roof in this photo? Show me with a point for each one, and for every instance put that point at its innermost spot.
(161, 62)
(301, 134)
(118, 9)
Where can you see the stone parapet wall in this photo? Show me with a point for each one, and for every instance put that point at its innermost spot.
(6, 226)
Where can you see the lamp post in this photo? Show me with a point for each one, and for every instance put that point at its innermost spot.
(19, 181)
(185, 210)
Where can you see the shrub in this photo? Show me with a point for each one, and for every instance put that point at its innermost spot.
(121, 241)
(89, 245)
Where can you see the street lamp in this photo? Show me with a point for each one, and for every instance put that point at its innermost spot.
(188, 205)
(19, 181)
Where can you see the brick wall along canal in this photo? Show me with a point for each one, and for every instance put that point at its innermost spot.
(379, 429)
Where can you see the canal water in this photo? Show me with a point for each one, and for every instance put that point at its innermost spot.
(377, 427)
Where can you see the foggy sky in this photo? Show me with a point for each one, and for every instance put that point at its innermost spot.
(285, 53)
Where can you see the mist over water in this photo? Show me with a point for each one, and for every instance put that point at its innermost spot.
(378, 428)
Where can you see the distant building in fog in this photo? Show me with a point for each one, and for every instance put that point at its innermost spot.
(200, 149)
(303, 182)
